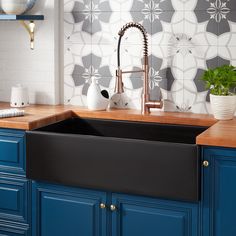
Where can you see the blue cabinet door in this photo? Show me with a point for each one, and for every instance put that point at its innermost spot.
(140, 216)
(12, 152)
(64, 211)
(14, 199)
(219, 192)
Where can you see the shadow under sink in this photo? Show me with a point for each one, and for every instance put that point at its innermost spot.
(149, 159)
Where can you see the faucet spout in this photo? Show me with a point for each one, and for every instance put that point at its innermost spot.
(119, 87)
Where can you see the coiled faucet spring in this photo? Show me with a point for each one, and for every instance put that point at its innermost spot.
(144, 33)
(146, 103)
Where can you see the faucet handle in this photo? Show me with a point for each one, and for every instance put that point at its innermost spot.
(119, 86)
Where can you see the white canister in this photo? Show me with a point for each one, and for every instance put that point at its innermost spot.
(19, 96)
(14, 7)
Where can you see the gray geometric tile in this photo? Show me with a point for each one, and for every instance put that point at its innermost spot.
(139, 17)
(90, 21)
(218, 13)
(137, 82)
(202, 5)
(138, 5)
(166, 16)
(79, 16)
(99, 5)
(100, 71)
(85, 89)
(86, 19)
(231, 4)
(200, 84)
(152, 5)
(105, 81)
(155, 93)
(161, 77)
(215, 6)
(82, 73)
(152, 12)
(222, 61)
(231, 16)
(81, 6)
(223, 27)
(167, 73)
(78, 78)
(101, 17)
(201, 15)
(212, 63)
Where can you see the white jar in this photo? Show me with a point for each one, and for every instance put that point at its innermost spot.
(19, 96)
(14, 7)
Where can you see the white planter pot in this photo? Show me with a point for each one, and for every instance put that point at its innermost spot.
(223, 107)
(15, 7)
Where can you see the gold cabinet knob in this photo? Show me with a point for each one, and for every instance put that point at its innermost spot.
(113, 208)
(103, 206)
(205, 163)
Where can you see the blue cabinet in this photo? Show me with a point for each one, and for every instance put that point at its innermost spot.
(14, 187)
(141, 216)
(39, 209)
(219, 192)
(67, 211)
(12, 149)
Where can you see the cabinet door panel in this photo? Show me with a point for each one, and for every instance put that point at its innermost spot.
(145, 216)
(219, 193)
(14, 199)
(12, 149)
(65, 211)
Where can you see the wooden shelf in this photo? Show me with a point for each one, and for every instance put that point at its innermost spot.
(30, 27)
(4, 17)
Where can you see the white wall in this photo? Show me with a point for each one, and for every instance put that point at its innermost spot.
(37, 69)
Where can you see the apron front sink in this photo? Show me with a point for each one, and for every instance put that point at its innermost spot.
(148, 159)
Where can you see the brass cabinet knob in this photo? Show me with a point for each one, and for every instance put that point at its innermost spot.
(113, 208)
(103, 206)
(205, 163)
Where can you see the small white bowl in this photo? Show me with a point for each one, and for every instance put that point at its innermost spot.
(14, 7)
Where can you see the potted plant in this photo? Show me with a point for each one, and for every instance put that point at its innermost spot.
(221, 82)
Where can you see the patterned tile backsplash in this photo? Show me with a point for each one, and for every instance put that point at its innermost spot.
(185, 38)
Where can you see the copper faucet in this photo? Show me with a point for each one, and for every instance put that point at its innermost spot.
(119, 87)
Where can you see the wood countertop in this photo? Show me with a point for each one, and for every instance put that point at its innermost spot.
(222, 134)
(219, 133)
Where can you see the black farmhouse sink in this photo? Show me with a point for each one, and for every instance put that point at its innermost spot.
(120, 156)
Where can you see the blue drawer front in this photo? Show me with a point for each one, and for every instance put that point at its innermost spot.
(12, 152)
(14, 196)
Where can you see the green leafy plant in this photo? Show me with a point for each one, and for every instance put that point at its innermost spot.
(221, 80)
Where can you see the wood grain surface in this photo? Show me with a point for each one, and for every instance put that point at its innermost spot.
(219, 133)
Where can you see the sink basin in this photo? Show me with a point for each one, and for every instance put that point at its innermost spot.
(148, 159)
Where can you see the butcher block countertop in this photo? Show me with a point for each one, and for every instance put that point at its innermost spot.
(219, 133)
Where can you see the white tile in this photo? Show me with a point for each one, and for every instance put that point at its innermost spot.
(188, 5)
(178, 5)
